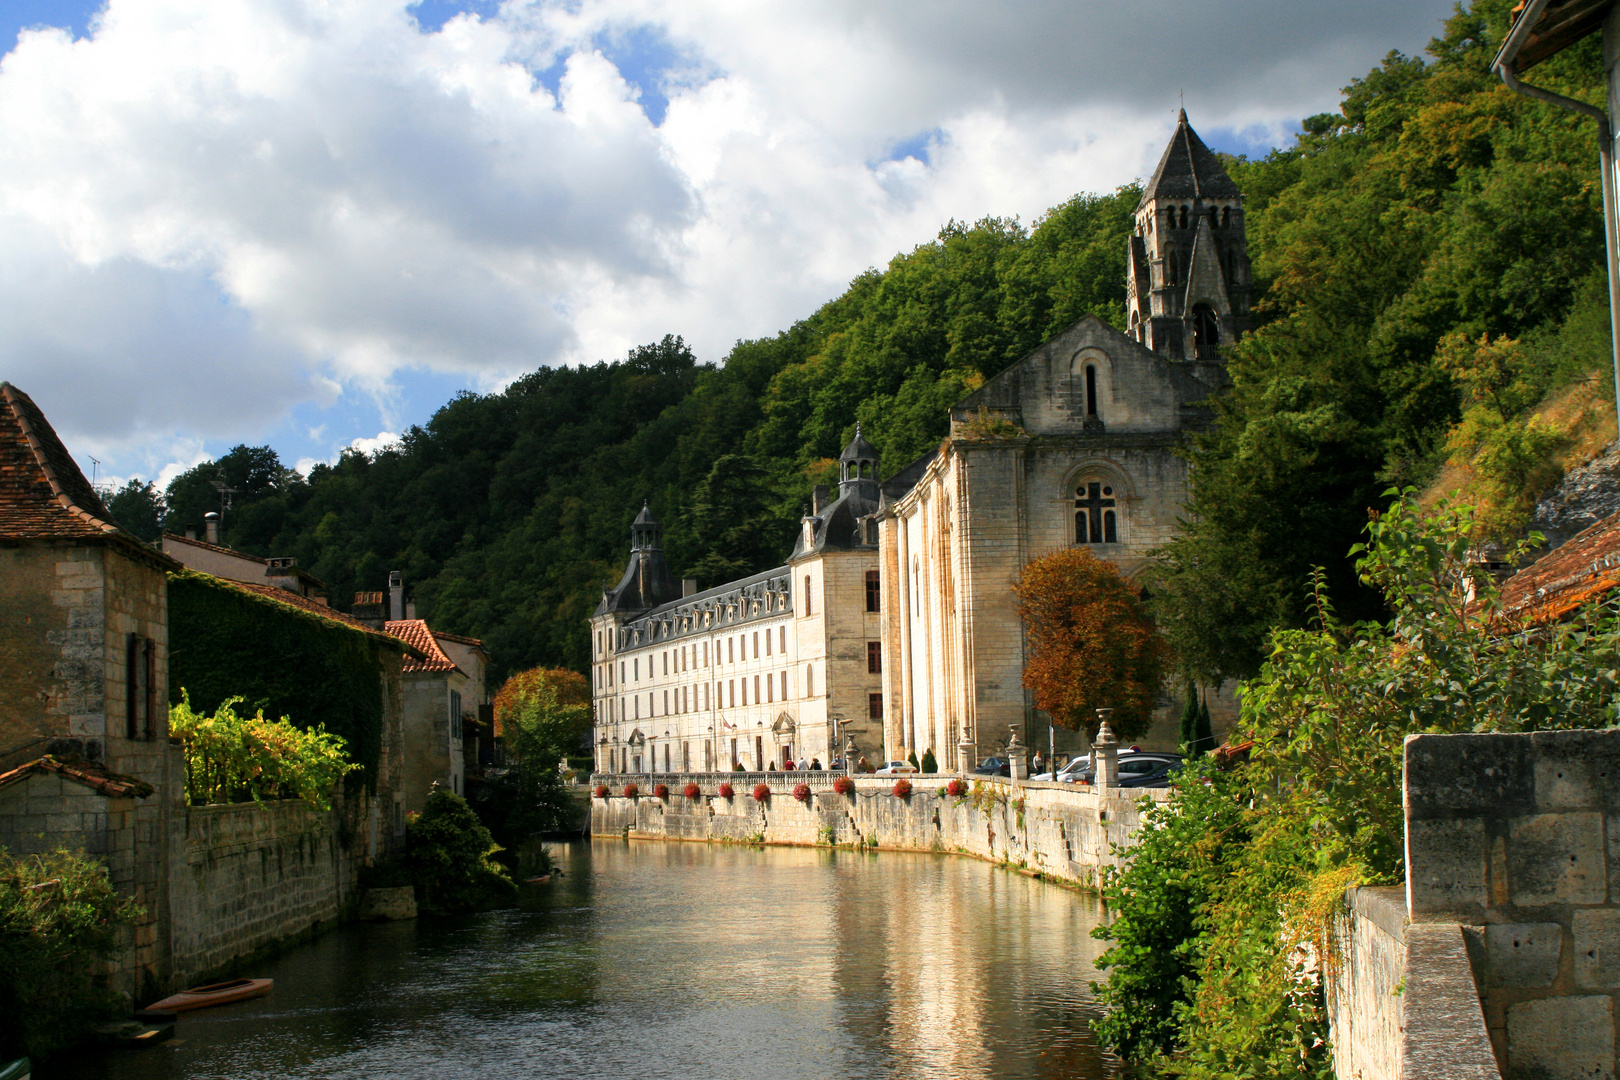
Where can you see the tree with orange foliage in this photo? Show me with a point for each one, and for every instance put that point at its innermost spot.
(543, 713)
(1091, 643)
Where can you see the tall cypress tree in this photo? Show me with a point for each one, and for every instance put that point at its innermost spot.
(1189, 720)
(1206, 733)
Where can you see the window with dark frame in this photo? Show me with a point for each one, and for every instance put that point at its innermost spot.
(874, 706)
(874, 591)
(874, 657)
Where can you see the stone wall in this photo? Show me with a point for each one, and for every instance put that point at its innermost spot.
(250, 875)
(1517, 838)
(1061, 830)
(1365, 995)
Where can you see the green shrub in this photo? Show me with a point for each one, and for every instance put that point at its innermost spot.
(451, 857)
(58, 916)
(232, 758)
(929, 763)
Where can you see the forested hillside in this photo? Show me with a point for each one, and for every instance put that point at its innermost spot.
(1435, 216)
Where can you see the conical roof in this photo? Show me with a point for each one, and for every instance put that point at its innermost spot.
(859, 449)
(1189, 170)
(645, 517)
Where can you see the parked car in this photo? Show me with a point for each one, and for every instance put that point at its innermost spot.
(994, 766)
(897, 768)
(1140, 769)
(1069, 774)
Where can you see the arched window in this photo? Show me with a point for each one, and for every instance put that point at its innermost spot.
(1226, 217)
(1214, 219)
(1172, 269)
(1183, 217)
(1094, 514)
(1206, 333)
(809, 681)
(807, 594)
(1091, 389)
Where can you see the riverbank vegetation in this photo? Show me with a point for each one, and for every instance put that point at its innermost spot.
(59, 919)
(233, 758)
(542, 715)
(1221, 916)
(451, 858)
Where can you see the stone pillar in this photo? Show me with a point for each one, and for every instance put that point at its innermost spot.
(1106, 749)
(1018, 763)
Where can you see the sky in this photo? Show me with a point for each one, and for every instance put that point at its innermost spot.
(309, 223)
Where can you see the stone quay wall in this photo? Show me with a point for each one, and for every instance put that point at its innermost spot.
(250, 875)
(1064, 831)
(1515, 838)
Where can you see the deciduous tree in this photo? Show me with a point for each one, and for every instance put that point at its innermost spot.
(1092, 643)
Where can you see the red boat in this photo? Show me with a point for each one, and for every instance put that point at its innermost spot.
(222, 993)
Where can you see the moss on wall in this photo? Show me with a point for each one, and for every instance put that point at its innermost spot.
(224, 641)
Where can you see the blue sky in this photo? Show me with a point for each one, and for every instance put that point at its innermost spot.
(307, 224)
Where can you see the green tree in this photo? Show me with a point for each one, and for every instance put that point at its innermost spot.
(138, 506)
(451, 857)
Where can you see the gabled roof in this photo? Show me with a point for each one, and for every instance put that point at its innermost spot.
(43, 494)
(415, 632)
(1562, 580)
(285, 598)
(88, 773)
(476, 643)
(1188, 170)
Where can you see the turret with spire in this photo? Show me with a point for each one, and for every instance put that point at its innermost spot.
(1187, 275)
(844, 523)
(647, 581)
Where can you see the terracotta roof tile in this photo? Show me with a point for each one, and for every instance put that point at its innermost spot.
(474, 642)
(88, 773)
(1584, 568)
(415, 632)
(43, 493)
(194, 542)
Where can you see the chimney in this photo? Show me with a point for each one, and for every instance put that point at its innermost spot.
(396, 595)
(283, 574)
(688, 586)
(368, 608)
(818, 499)
(191, 532)
(211, 524)
(410, 608)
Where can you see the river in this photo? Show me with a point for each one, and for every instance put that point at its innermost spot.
(680, 960)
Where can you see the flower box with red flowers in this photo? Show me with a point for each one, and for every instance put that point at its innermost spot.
(802, 792)
(844, 786)
(902, 788)
(727, 791)
(956, 789)
(631, 791)
(601, 791)
(661, 791)
(693, 792)
(762, 792)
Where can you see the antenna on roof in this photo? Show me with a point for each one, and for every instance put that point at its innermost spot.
(225, 493)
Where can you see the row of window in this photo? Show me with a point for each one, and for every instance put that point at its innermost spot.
(704, 696)
(1179, 217)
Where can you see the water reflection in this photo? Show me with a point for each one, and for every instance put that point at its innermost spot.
(681, 960)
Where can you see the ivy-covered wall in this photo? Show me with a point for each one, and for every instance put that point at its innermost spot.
(225, 642)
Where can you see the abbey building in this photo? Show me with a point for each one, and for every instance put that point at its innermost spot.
(893, 622)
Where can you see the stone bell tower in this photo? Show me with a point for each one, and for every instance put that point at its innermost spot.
(1187, 274)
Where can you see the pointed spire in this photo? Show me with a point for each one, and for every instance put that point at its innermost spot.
(1181, 116)
(1188, 169)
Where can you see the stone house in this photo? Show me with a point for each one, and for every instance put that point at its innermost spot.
(437, 694)
(760, 671)
(210, 557)
(84, 666)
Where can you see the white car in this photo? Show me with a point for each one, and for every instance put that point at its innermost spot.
(897, 768)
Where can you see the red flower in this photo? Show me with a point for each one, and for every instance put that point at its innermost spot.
(661, 791)
(601, 791)
(956, 788)
(727, 791)
(802, 792)
(902, 788)
(844, 786)
(762, 792)
(692, 791)
(631, 791)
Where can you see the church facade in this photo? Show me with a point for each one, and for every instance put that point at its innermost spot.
(893, 622)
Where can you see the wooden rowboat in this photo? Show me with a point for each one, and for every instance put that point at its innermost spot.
(222, 993)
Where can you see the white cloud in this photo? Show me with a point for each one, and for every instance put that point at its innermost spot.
(212, 211)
